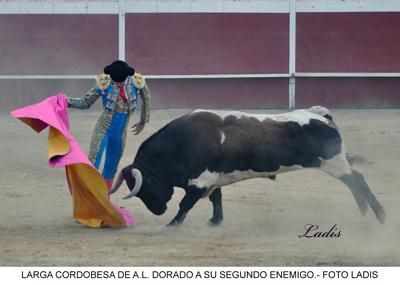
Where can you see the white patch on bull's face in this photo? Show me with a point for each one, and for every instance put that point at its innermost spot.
(301, 116)
(337, 166)
(222, 137)
(209, 179)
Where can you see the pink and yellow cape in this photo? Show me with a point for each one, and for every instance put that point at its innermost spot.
(91, 202)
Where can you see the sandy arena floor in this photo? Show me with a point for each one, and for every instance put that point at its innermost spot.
(263, 218)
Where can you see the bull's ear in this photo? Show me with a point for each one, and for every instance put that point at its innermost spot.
(129, 179)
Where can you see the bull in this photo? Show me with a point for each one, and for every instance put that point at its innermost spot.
(205, 150)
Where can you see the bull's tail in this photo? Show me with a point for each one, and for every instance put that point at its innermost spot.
(354, 159)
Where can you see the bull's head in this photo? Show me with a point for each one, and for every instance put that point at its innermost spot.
(151, 190)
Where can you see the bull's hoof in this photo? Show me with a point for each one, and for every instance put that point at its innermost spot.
(215, 221)
(381, 215)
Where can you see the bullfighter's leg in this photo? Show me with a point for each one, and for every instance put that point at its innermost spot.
(114, 147)
(216, 199)
(193, 194)
(339, 168)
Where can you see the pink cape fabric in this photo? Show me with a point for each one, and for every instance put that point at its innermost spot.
(53, 112)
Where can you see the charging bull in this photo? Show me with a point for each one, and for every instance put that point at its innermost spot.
(205, 150)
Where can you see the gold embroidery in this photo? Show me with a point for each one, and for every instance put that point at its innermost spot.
(138, 80)
(103, 81)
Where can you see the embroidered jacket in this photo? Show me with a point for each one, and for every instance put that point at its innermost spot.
(112, 102)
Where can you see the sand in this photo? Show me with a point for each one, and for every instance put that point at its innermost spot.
(263, 218)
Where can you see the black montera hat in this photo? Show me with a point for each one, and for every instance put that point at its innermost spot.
(119, 70)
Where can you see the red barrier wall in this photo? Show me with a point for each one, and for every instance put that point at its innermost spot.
(57, 44)
(348, 42)
(208, 43)
(191, 93)
(348, 92)
(220, 93)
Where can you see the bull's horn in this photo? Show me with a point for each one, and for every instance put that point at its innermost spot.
(138, 183)
(117, 183)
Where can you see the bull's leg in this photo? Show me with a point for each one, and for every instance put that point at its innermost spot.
(193, 194)
(340, 168)
(216, 199)
(356, 182)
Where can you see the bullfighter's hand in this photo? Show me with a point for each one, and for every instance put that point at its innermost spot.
(68, 100)
(137, 128)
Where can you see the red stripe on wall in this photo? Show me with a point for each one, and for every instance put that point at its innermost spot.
(57, 44)
(208, 43)
(348, 92)
(219, 93)
(348, 42)
(165, 93)
(19, 93)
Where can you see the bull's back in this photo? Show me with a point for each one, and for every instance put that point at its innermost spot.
(263, 144)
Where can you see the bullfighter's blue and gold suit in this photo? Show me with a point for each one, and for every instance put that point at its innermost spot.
(110, 131)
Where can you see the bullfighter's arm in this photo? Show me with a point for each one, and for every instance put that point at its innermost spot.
(86, 101)
(146, 103)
